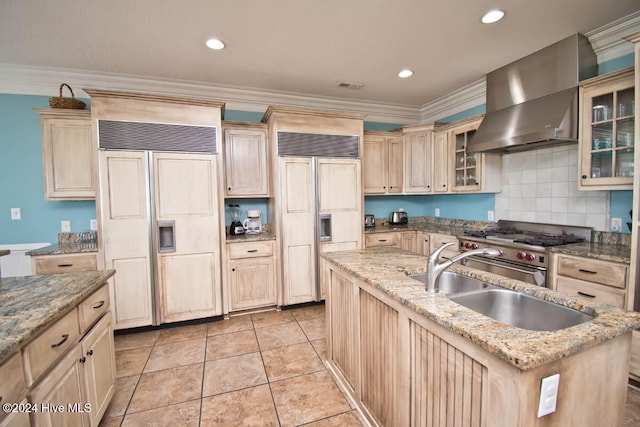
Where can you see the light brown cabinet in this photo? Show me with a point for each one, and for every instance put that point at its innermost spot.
(51, 264)
(399, 239)
(245, 160)
(12, 390)
(607, 132)
(437, 240)
(382, 162)
(68, 154)
(252, 275)
(418, 158)
(602, 281)
(423, 243)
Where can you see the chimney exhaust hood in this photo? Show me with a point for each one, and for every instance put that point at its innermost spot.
(533, 102)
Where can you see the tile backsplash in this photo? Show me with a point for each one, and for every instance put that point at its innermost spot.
(542, 186)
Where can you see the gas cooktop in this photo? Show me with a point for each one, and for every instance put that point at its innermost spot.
(534, 234)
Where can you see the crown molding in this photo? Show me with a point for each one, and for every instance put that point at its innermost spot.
(463, 99)
(29, 80)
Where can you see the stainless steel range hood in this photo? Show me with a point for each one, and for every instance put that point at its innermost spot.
(533, 102)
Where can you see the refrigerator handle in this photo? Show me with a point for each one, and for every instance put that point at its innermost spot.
(166, 236)
(325, 227)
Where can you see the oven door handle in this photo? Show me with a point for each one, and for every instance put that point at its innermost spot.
(536, 272)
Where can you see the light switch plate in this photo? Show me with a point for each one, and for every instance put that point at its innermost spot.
(93, 224)
(548, 395)
(65, 226)
(491, 216)
(616, 225)
(437, 212)
(16, 214)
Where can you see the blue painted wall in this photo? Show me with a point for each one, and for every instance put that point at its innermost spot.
(461, 206)
(21, 180)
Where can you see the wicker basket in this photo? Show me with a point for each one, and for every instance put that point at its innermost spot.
(70, 103)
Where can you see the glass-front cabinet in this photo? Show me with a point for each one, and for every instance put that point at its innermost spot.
(607, 131)
(466, 164)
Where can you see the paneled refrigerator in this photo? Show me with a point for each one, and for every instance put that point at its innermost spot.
(320, 206)
(159, 219)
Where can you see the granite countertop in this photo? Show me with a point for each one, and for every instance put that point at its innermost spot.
(65, 249)
(29, 304)
(387, 268)
(602, 251)
(4, 252)
(265, 235)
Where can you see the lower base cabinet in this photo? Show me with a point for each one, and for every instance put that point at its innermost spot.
(252, 275)
(402, 369)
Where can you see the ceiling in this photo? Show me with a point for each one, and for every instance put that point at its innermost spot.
(296, 46)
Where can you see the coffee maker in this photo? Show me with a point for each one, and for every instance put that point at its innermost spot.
(236, 226)
(253, 223)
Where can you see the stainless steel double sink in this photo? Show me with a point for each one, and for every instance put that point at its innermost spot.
(506, 306)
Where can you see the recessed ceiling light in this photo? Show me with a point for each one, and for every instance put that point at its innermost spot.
(492, 16)
(215, 44)
(405, 73)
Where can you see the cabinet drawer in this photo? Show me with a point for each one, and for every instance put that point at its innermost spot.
(382, 239)
(12, 385)
(40, 353)
(599, 293)
(90, 310)
(591, 270)
(64, 263)
(250, 250)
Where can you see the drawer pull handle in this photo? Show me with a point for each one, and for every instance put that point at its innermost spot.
(382, 240)
(65, 337)
(586, 295)
(99, 304)
(65, 265)
(582, 270)
(252, 250)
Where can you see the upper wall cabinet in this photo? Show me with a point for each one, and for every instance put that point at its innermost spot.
(246, 159)
(418, 158)
(607, 132)
(382, 162)
(467, 172)
(68, 154)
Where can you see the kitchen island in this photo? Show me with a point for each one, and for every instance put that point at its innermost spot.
(56, 348)
(411, 358)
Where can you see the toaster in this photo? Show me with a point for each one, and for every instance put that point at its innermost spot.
(369, 221)
(398, 217)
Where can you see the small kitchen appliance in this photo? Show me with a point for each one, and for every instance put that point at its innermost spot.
(253, 223)
(236, 227)
(398, 218)
(369, 221)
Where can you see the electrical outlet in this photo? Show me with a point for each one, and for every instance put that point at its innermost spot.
(65, 226)
(437, 212)
(16, 214)
(491, 216)
(616, 225)
(93, 224)
(548, 395)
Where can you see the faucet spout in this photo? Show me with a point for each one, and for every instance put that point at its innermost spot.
(435, 269)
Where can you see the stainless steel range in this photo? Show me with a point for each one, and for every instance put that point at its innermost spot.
(523, 245)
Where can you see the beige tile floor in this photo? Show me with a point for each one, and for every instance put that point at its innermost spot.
(256, 370)
(262, 369)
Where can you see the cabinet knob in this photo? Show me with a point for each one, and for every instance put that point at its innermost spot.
(233, 269)
(82, 359)
(229, 188)
(584, 176)
(90, 352)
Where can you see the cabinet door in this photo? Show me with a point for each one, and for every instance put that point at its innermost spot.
(68, 157)
(607, 133)
(396, 159)
(99, 368)
(465, 167)
(59, 389)
(418, 164)
(440, 163)
(422, 243)
(186, 201)
(246, 162)
(252, 283)
(374, 164)
(125, 236)
(409, 241)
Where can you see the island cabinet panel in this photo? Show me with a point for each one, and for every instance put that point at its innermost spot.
(12, 386)
(343, 326)
(447, 384)
(379, 359)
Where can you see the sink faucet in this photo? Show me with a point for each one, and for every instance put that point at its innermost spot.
(434, 269)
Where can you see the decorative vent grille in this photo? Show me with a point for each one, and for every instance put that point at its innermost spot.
(350, 85)
(293, 144)
(121, 135)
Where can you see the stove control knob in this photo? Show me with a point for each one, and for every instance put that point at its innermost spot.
(474, 246)
(520, 255)
(469, 245)
(529, 257)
